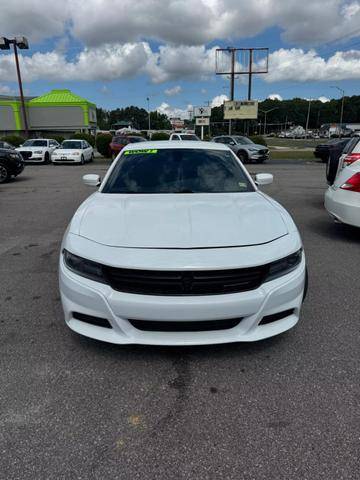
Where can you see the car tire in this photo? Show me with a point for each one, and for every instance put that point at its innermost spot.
(242, 156)
(306, 285)
(331, 169)
(260, 160)
(325, 159)
(47, 158)
(91, 158)
(82, 161)
(4, 173)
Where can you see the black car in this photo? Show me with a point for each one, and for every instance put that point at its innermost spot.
(11, 164)
(6, 145)
(323, 150)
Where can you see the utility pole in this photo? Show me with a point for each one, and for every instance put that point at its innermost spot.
(307, 119)
(266, 112)
(148, 101)
(232, 80)
(251, 51)
(22, 43)
(342, 107)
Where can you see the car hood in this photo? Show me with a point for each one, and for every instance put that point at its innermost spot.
(32, 149)
(67, 151)
(257, 146)
(179, 220)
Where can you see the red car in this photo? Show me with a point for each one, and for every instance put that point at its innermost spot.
(119, 141)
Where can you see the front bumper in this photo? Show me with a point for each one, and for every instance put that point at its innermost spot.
(343, 206)
(66, 159)
(87, 297)
(259, 156)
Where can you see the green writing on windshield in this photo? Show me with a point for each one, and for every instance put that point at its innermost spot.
(140, 152)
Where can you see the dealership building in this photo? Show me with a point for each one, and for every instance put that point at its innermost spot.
(59, 112)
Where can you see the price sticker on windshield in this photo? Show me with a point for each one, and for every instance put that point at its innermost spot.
(140, 152)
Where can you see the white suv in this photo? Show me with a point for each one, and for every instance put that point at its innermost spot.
(38, 150)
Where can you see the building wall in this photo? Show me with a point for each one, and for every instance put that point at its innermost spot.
(7, 118)
(56, 117)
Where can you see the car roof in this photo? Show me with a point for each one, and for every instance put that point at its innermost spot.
(172, 145)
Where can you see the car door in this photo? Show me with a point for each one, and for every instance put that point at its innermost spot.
(53, 144)
(89, 150)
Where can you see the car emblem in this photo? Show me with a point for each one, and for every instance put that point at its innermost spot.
(187, 281)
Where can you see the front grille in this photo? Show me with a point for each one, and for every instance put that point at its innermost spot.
(160, 282)
(186, 326)
(263, 152)
(25, 154)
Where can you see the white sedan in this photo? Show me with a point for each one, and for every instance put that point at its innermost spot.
(38, 150)
(342, 199)
(179, 247)
(73, 151)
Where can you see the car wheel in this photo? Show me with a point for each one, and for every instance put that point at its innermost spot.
(4, 174)
(92, 157)
(260, 160)
(82, 161)
(324, 159)
(47, 158)
(331, 169)
(242, 156)
(306, 284)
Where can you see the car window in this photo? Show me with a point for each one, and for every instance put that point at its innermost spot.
(71, 144)
(137, 139)
(355, 146)
(242, 140)
(175, 137)
(35, 143)
(120, 140)
(177, 171)
(189, 137)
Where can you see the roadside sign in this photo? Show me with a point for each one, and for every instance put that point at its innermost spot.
(240, 109)
(202, 112)
(203, 121)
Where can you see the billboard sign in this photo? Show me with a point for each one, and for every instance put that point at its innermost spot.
(240, 109)
(202, 112)
(203, 121)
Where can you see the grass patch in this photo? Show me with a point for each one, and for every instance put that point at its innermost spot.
(294, 143)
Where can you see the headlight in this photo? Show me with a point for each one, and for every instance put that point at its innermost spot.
(82, 266)
(76, 153)
(38, 152)
(253, 149)
(285, 265)
(14, 155)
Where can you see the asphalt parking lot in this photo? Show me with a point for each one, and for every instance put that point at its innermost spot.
(73, 408)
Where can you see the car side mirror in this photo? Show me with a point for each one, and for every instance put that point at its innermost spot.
(91, 180)
(20, 145)
(232, 143)
(264, 178)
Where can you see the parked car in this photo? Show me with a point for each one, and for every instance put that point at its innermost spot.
(179, 247)
(11, 164)
(245, 149)
(184, 137)
(73, 151)
(342, 198)
(38, 149)
(340, 156)
(120, 141)
(323, 150)
(7, 146)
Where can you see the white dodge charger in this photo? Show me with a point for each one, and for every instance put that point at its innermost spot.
(179, 247)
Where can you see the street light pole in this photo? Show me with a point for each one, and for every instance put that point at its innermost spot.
(22, 43)
(307, 119)
(148, 100)
(342, 106)
(266, 112)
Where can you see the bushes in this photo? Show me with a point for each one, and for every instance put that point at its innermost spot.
(85, 136)
(160, 136)
(13, 139)
(259, 139)
(103, 141)
(58, 138)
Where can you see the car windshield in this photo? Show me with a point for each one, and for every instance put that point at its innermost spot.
(137, 139)
(177, 171)
(35, 143)
(120, 140)
(243, 140)
(71, 144)
(189, 137)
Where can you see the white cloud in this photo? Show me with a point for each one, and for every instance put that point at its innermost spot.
(104, 89)
(185, 22)
(170, 92)
(275, 96)
(6, 90)
(219, 100)
(324, 99)
(110, 62)
(173, 112)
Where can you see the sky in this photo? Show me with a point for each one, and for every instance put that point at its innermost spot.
(119, 52)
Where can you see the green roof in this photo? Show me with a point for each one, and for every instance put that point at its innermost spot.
(59, 96)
